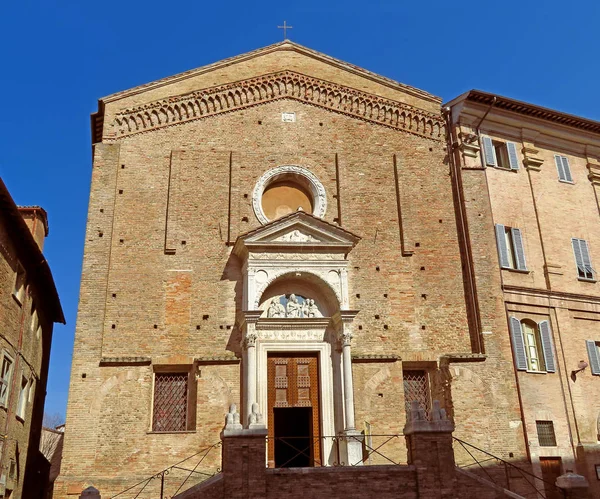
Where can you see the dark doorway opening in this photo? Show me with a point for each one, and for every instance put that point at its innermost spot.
(294, 446)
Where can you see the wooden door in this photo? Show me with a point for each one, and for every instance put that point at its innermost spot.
(551, 470)
(294, 383)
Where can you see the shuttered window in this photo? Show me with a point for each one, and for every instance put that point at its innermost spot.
(516, 336)
(532, 345)
(500, 154)
(546, 340)
(583, 261)
(510, 248)
(563, 167)
(594, 356)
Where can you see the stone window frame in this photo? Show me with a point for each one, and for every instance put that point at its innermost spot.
(306, 178)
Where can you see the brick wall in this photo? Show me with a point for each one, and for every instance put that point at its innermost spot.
(168, 189)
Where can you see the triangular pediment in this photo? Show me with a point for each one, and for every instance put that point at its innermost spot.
(297, 230)
(281, 71)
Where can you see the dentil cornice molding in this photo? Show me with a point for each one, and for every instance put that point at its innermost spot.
(281, 85)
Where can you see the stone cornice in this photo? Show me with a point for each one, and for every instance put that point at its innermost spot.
(267, 88)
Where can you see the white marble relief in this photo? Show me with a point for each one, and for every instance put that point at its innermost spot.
(293, 307)
(296, 236)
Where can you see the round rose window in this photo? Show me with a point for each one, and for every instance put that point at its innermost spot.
(284, 190)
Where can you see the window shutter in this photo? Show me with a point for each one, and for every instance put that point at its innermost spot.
(559, 167)
(488, 151)
(566, 169)
(513, 156)
(546, 337)
(594, 357)
(585, 257)
(519, 251)
(502, 249)
(516, 336)
(577, 253)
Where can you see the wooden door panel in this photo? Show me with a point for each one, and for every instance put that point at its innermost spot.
(551, 470)
(293, 381)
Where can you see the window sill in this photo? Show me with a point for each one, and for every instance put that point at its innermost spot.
(17, 299)
(150, 432)
(518, 271)
(566, 182)
(506, 169)
(19, 418)
(536, 372)
(583, 279)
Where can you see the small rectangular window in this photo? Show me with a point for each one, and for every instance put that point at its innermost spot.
(171, 402)
(19, 289)
(500, 154)
(510, 248)
(5, 374)
(545, 431)
(416, 388)
(581, 251)
(23, 397)
(563, 168)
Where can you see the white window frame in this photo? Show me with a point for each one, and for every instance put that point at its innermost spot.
(23, 397)
(533, 346)
(5, 356)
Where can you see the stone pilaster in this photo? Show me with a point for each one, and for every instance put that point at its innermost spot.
(250, 376)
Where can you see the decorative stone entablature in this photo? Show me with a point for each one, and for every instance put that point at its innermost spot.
(284, 84)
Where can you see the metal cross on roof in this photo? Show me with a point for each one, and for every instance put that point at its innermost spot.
(285, 27)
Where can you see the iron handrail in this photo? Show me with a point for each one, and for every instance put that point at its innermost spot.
(335, 440)
(161, 474)
(506, 463)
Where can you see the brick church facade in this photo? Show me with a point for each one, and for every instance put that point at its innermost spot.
(318, 245)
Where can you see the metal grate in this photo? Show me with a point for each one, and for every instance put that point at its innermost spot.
(545, 431)
(416, 387)
(170, 402)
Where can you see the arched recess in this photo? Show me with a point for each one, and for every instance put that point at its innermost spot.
(305, 284)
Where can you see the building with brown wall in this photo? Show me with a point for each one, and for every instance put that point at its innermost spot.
(287, 232)
(29, 306)
(528, 186)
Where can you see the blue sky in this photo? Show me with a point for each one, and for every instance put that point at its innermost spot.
(59, 57)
